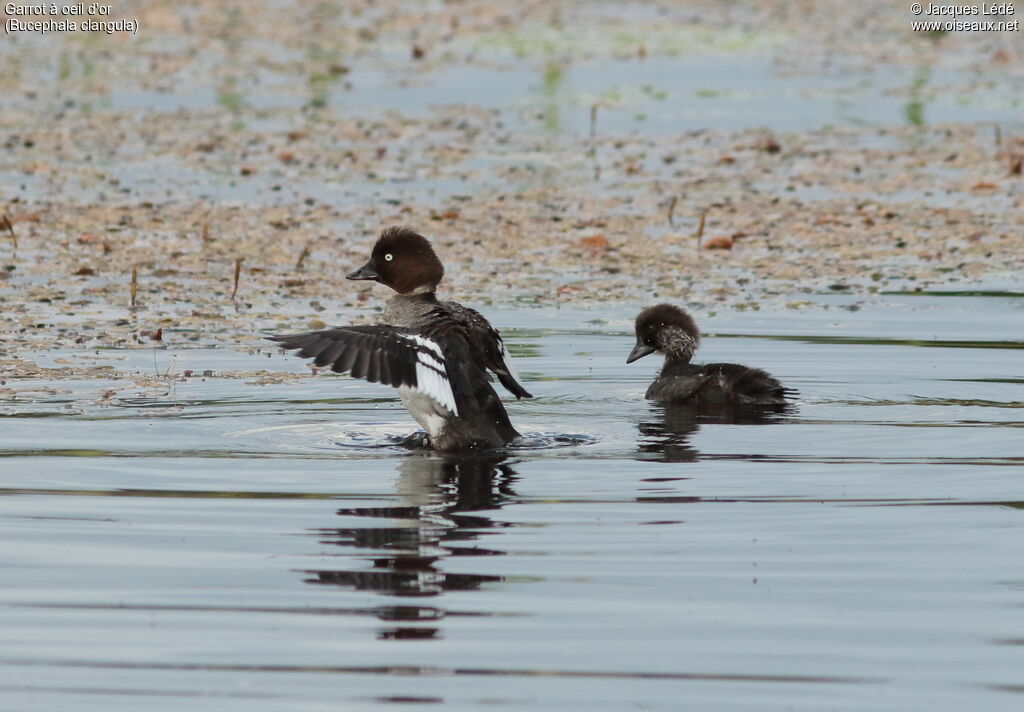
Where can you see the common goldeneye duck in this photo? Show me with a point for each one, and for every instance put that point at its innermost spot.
(669, 330)
(437, 354)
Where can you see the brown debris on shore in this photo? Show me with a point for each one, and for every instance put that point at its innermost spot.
(180, 197)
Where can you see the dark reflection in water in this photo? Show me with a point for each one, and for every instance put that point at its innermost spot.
(439, 517)
(665, 436)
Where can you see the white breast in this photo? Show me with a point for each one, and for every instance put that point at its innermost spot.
(428, 412)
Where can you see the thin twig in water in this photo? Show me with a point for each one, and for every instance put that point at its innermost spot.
(593, 121)
(6, 224)
(700, 227)
(204, 232)
(302, 258)
(672, 209)
(135, 285)
(238, 272)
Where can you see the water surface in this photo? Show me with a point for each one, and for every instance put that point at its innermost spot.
(272, 547)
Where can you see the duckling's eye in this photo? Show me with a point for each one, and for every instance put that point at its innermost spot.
(388, 257)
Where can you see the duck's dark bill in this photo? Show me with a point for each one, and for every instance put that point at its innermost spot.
(367, 271)
(639, 351)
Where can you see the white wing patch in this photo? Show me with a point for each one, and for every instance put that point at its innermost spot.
(425, 343)
(431, 374)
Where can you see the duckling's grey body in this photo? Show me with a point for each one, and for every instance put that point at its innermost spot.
(715, 384)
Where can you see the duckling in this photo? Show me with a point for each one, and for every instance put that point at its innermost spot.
(669, 330)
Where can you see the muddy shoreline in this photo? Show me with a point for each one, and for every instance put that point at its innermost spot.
(217, 139)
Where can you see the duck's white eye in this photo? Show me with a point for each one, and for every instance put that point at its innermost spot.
(388, 257)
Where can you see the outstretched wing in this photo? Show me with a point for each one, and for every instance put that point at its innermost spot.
(379, 354)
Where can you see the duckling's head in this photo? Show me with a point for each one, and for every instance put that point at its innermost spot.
(665, 329)
(403, 260)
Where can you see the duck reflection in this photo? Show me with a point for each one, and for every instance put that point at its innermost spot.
(666, 435)
(440, 515)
